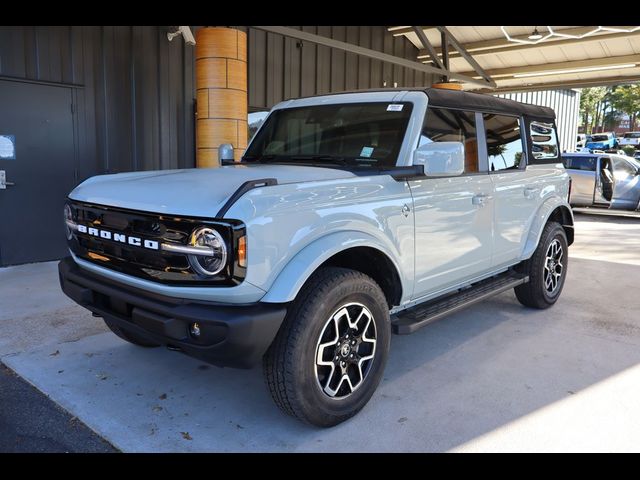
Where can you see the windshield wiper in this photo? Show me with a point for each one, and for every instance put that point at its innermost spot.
(259, 158)
(321, 158)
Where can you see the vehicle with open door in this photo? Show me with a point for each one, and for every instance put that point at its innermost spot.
(603, 180)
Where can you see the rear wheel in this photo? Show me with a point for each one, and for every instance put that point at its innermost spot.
(547, 269)
(128, 336)
(329, 355)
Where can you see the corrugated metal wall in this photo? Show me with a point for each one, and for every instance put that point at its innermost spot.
(282, 68)
(134, 90)
(134, 95)
(566, 104)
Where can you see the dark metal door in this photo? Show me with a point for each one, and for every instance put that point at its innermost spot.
(38, 120)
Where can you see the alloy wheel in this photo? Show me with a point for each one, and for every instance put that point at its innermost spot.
(553, 266)
(345, 350)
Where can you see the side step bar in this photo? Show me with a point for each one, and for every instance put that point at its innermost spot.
(412, 319)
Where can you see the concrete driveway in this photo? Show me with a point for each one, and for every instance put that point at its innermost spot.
(496, 377)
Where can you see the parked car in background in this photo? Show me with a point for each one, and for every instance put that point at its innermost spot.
(631, 139)
(602, 141)
(582, 140)
(603, 180)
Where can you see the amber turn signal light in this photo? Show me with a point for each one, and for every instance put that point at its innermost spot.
(242, 251)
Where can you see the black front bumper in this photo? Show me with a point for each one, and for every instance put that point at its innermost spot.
(233, 336)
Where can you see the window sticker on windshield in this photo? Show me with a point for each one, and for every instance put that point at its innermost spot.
(394, 107)
(366, 152)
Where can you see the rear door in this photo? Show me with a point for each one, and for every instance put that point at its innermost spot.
(38, 162)
(517, 190)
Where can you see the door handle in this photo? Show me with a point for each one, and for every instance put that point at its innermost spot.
(480, 200)
(3, 181)
(530, 192)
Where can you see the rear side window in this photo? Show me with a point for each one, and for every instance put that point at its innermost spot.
(544, 141)
(580, 163)
(504, 143)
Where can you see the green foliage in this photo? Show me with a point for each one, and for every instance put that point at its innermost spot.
(626, 99)
(518, 159)
(629, 150)
(602, 106)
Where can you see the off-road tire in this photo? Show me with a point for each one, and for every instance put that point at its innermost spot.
(289, 365)
(534, 293)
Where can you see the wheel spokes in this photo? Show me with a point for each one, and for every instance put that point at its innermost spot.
(345, 350)
(553, 266)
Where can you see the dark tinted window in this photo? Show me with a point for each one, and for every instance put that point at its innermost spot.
(504, 144)
(443, 125)
(580, 163)
(362, 133)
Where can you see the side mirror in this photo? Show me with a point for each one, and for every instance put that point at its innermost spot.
(440, 159)
(225, 152)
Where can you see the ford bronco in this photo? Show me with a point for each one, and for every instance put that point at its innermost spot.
(350, 217)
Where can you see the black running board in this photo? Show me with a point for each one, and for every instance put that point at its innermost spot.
(412, 319)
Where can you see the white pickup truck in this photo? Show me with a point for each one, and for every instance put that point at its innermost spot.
(350, 217)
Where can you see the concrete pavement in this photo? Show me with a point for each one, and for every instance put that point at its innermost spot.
(496, 377)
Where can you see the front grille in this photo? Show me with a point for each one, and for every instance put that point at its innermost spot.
(155, 265)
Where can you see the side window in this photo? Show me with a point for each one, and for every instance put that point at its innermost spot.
(504, 143)
(580, 163)
(544, 141)
(443, 125)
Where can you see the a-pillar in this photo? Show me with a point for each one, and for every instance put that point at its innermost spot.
(221, 86)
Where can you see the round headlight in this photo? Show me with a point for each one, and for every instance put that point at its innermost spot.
(68, 221)
(208, 265)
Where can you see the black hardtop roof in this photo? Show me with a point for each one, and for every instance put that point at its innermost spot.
(440, 97)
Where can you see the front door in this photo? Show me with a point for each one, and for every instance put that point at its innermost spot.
(37, 160)
(453, 215)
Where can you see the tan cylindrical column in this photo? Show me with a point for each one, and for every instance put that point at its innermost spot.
(221, 92)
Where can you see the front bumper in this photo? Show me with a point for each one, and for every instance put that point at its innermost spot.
(233, 336)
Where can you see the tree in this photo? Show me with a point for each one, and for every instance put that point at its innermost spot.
(626, 99)
(590, 105)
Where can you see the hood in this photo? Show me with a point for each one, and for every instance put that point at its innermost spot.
(197, 192)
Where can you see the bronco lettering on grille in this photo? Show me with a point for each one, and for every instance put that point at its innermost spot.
(119, 237)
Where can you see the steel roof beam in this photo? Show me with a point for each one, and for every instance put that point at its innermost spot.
(490, 47)
(466, 55)
(367, 52)
(548, 68)
(590, 82)
(426, 44)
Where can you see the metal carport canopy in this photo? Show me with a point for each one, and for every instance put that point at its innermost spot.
(565, 56)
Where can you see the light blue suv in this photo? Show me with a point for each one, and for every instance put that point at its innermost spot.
(350, 217)
(602, 141)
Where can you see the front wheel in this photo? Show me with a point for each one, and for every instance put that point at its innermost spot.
(547, 269)
(329, 355)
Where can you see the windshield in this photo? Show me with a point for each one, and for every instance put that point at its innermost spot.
(599, 138)
(632, 135)
(634, 161)
(368, 134)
